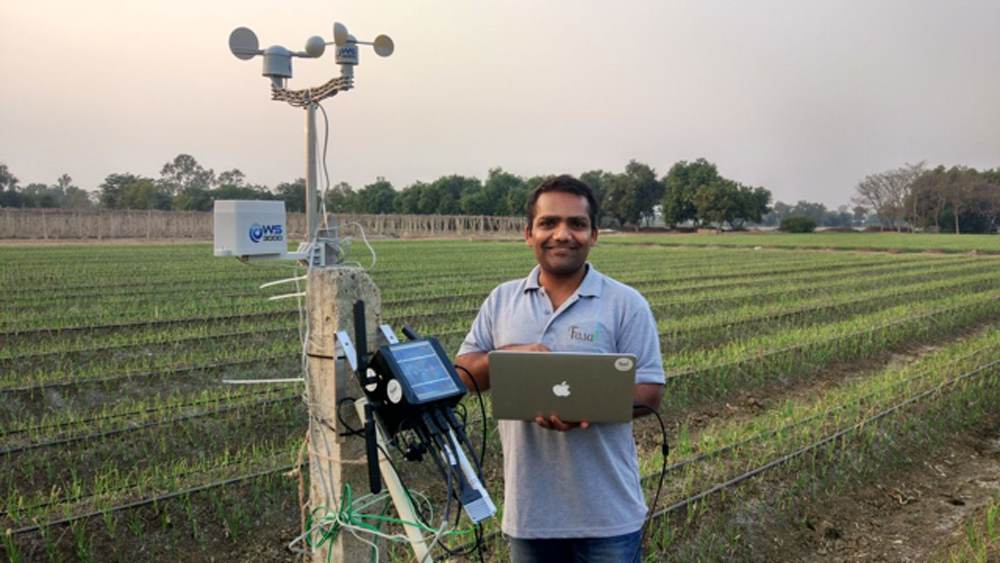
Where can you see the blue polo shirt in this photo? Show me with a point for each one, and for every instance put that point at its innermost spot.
(582, 483)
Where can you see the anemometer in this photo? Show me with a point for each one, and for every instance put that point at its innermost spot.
(411, 388)
(242, 226)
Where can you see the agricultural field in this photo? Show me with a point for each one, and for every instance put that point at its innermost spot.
(819, 405)
(887, 241)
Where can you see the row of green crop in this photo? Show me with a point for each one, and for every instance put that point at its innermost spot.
(126, 412)
(864, 327)
(734, 337)
(146, 335)
(185, 354)
(855, 432)
(787, 288)
(886, 241)
(981, 539)
(149, 460)
(680, 315)
(80, 313)
(796, 438)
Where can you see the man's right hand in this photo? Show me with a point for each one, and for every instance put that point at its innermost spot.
(479, 367)
(537, 347)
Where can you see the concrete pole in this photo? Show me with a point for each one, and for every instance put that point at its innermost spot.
(334, 460)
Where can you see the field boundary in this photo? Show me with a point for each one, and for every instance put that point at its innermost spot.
(148, 224)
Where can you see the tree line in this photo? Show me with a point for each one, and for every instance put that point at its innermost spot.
(691, 193)
(957, 199)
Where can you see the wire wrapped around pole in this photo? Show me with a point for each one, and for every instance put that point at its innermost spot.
(302, 98)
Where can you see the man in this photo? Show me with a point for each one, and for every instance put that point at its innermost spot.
(572, 490)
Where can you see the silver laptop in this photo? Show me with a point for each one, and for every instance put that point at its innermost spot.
(574, 386)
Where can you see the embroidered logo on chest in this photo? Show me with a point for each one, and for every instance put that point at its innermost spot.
(576, 334)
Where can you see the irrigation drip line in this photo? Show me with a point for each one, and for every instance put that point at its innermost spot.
(719, 324)
(81, 497)
(135, 299)
(153, 373)
(504, 275)
(808, 267)
(201, 280)
(834, 437)
(146, 502)
(83, 421)
(767, 434)
(808, 285)
(930, 314)
(989, 281)
(656, 282)
(122, 347)
(146, 426)
(150, 324)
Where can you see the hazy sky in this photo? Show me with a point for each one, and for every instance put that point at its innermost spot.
(802, 97)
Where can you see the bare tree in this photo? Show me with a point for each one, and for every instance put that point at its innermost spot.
(885, 193)
(874, 194)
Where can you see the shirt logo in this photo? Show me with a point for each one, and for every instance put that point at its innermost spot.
(576, 334)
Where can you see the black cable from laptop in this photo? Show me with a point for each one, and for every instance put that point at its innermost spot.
(482, 409)
(665, 449)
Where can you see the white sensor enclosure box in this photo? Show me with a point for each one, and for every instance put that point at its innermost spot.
(250, 228)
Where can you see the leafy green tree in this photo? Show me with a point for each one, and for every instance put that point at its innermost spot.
(184, 173)
(77, 198)
(631, 196)
(498, 187)
(448, 191)
(718, 202)
(40, 195)
(755, 203)
(144, 193)
(429, 200)
(797, 224)
(989, 196)
(681, 183)
(234, 191)
(407, 202)
(10, 195)
(377, 198)
(342, 198)
(293, 194)
(517, 196)
(112, 189)
(234, 177)
(8, 181)
(858, 214)
(71, 196)
(474, 201)
(598, 180)
(192, 199)
(959, 194)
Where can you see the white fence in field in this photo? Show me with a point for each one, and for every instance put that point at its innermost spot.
(69, 224)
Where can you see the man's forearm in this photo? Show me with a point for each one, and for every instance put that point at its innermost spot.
(479, 367)
(649, 394)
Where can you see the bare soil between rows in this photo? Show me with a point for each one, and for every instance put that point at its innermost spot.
(915, 514)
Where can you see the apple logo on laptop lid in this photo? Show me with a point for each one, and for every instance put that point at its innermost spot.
(561, 389)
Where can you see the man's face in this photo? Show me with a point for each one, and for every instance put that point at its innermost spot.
(561, 233)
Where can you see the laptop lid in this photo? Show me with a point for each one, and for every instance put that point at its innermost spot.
(574, 386)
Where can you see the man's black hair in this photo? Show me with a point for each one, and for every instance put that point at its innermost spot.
(566, 184)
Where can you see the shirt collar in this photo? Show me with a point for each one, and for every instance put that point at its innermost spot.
(590, 286)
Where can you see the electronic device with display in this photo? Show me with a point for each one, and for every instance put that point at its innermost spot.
(413, 376)
(412, 389)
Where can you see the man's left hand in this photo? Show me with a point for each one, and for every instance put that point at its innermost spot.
(555, 423)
